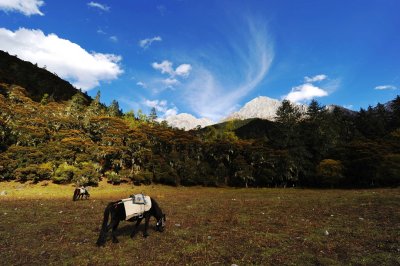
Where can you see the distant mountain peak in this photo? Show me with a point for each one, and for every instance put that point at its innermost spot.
(187, 121)
(260, 107)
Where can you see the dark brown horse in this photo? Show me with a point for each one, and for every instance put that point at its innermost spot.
(117, 212)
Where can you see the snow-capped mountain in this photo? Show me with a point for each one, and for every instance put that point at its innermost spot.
(260, 107)
(187, 121)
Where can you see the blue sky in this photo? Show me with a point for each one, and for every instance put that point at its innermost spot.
(208, 58)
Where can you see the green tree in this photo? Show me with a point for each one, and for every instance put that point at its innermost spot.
(114, 110)
(153, 115)
(141, 116)
(77, 105)
(287, 117)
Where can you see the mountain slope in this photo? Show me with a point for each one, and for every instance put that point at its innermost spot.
(37, 81)
(256, 128)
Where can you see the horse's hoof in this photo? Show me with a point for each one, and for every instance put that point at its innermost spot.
(145, 235)
(115, 241)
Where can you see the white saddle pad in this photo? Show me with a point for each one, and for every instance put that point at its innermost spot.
(136, 205)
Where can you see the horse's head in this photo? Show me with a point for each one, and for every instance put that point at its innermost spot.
(161, 223)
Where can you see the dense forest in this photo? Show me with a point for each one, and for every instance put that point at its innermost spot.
(80, 140)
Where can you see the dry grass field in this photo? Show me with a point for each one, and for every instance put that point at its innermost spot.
(41, 225)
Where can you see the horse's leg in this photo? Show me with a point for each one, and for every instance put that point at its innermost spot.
(146, 225)
(114, 229)
(75, 197)
(136, 227)
(105, 227)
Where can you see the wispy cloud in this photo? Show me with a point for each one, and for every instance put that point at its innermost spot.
(61, 56)
(214, 95)
(113, 38)
(26, 7)
(141, 84)
(145, 43)
(162, 9)
(385, 87)
(99, 6)
(315, 78)
(170, 82)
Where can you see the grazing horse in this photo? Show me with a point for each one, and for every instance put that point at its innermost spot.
(117, 211)
(81, 192)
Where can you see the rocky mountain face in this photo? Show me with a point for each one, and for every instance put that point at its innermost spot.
(187, 122)
(260, 107)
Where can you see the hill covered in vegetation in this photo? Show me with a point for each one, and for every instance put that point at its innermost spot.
(72, 138)
(37, 81)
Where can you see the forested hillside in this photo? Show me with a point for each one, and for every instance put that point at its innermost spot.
(80, 140)
(37, 81)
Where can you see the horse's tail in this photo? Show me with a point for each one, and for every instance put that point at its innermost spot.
(103, 231)
(76, 193)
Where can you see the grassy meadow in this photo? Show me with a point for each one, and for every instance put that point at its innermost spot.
(41, 225)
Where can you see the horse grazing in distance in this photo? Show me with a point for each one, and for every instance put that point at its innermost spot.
(81, 192)
(131, 209)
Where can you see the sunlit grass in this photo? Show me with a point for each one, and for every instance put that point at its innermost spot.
(42, 225)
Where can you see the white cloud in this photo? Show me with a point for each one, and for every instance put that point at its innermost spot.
(165, 67)
(171, 112)
(26, 7)
(315, 78)
(70, 61)
(99, 6)
(145, 43)
(183, 70)
(385, 87)
(305, 91)
(160, 105)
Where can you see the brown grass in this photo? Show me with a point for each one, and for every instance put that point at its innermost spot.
(41, 225)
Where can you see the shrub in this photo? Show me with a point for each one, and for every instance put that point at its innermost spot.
(113, 177)
(89, 174)
(143, 177)
(65, 173)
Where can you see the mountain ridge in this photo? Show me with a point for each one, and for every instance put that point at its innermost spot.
(37, 81)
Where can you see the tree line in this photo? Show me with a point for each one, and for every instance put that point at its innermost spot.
(82, 141)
